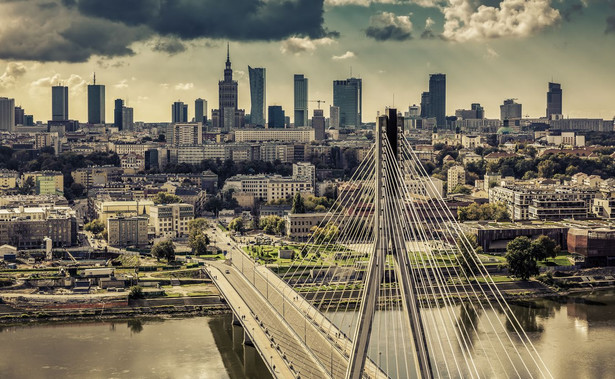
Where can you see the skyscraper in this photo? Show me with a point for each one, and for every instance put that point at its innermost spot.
(118, 113)
(127, 118)
(227, 96)
(179, 112)
(276, 117)
(437, 98)
(301, 100)
(554, 99)
(59, 103)
(96, 103)
(348, 96)
(7, 114)
(258, 95)
(318, 123)
(480, 111)
(200, 110)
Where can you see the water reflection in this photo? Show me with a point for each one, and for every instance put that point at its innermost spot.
(135, 326)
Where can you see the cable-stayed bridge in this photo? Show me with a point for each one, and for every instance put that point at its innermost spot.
(375, 290)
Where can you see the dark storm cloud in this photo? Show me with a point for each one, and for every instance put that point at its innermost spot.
(572, 9)
(232, 19)
(428, 34)
(387, 26)
(75, 30)
(170, 46)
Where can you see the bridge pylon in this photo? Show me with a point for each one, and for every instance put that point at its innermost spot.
(388, 241)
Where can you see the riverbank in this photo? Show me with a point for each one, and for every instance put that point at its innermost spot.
(175, 307)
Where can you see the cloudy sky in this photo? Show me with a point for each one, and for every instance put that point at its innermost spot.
(154, 52)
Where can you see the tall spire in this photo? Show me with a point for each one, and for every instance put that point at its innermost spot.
(94, 78)
(228, 53)
(228, 72)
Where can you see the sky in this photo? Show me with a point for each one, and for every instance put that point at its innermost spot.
(154, 52)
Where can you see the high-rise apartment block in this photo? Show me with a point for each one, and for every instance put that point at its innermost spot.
(347, 95)
(334, 117)
(59, 103)
(301, 100)
(318, 124)
(554, 99)
(258, 95)
(96, 103)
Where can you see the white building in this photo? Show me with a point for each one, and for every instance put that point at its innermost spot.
(301, 135)
(188, 134)
(305, 170)
(171, 220)
(267, 187)
(456, 176)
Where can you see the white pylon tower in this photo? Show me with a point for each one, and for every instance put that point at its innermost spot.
(388, 241)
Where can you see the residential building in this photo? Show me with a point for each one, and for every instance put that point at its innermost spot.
(188, 134)
(298, 135)
(103, 210)
(19, 116)
(258, 95)
(318, 124)
(554, 100)
(299, 225)
(127, 231)
(267, 187)
(46, 182)
(348, 96)
(305, 170)
(334, 117)
(27, 228)
(548, 202)
(7, 114)
(456, 176)
(171, 220)
(301, 100)
(96, 103)
(132, 161)
(59, 103)
(8, 179)
(89, 177)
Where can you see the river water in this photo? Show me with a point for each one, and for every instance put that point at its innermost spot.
(576, 339)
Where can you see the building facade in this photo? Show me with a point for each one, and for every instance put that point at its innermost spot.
(554, 100)
(301, 100)
(258, 95)
(171, 220)
(348, 96)
(59, 103)
(127, 231)
(96, 103)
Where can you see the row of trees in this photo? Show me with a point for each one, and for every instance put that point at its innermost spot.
(487, 211)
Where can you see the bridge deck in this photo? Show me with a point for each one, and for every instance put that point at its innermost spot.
(313, 346)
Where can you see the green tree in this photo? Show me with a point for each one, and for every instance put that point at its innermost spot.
(326, 234)
(544, 247)
(236, 224)
(164, 250)
(166, 198)
(298, 205)
(521, 258)
(468, 254)
(272, 225)
(27, 186)
(136, 292)
(197, 239)
(95, 226)
(546, 169)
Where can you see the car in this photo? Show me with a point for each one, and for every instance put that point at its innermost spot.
(227, 271)
(228, 243)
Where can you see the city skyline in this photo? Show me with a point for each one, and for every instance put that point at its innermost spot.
(153, 71)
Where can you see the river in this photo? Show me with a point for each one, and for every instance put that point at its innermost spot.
(576, 339)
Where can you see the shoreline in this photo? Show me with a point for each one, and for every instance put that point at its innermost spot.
(25, 316)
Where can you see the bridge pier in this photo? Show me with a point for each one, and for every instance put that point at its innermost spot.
(236, 320)
(247, 340)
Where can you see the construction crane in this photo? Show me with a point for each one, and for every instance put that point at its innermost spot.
(317, 101)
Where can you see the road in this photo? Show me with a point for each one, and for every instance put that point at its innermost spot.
(283, 307)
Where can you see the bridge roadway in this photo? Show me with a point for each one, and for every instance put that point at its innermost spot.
(311, 345)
